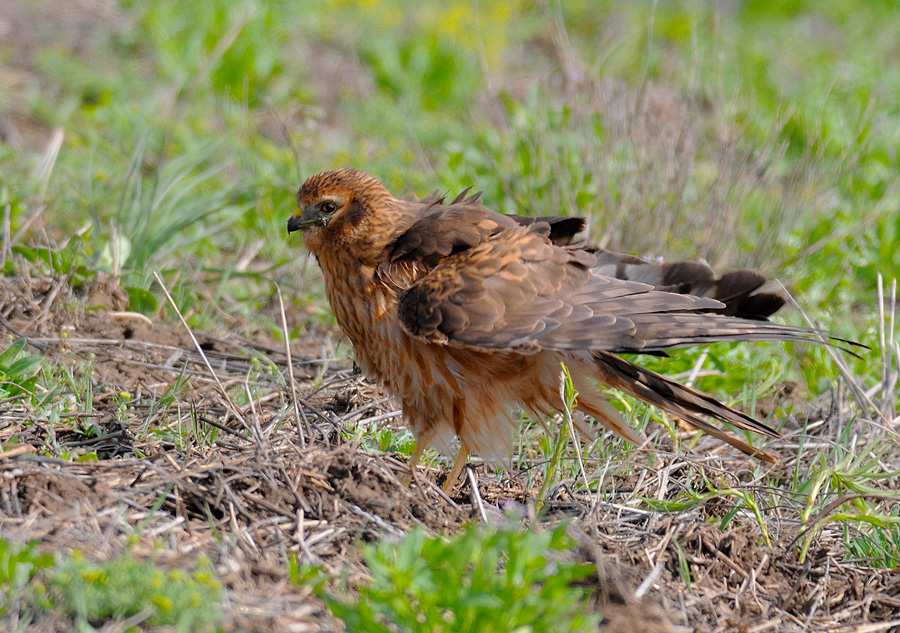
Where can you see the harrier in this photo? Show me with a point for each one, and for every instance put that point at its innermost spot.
(462, 314)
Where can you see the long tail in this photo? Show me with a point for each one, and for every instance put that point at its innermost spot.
(684, 402)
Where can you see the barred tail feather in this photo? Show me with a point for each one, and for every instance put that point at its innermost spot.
(684, 402)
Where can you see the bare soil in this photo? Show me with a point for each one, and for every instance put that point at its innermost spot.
(247, 482)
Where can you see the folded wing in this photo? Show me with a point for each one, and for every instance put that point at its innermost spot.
(518, 290)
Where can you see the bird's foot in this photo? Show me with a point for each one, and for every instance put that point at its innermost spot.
(407, 480)
(458, 465)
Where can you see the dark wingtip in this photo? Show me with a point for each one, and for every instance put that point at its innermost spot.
(563, 228)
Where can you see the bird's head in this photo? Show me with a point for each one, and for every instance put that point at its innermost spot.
(341, 208)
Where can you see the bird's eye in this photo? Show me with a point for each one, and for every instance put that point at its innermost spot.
(329, 207)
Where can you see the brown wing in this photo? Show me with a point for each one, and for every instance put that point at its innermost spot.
(519, 291)
(445, 231)
(442, 230)
(563, 229)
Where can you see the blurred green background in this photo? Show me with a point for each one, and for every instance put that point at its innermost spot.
(161, 134)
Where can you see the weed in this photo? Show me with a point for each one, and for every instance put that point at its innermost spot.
(18, 372)
(743, 498)
(98, 592)
(158, 218)
(561, 441)
(18, 565)
(479, 580)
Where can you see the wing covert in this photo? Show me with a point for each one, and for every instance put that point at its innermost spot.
(519, 291)
(445, 230)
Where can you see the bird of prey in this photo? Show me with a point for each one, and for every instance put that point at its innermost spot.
(463, 314)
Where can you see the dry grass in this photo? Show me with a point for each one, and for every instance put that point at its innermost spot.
(244, 483)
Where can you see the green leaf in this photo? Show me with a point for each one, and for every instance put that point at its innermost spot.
(24, 367)
(9, 355)
(480, 580)
(141, 300)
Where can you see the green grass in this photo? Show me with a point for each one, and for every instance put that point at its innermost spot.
(166, 152)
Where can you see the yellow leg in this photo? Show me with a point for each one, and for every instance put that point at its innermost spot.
(413, 462)
(458, 464)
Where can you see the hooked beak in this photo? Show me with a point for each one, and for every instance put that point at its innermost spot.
(301, 219)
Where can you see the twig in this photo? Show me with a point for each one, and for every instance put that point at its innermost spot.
(298, 413)
(865, 404)
(887, 347)
(476, 495)
(7, 235)
(301, 539)
(33, 342)
(384, 416)
(222, 427)
(234, 409)
(377, 520)
(332, 421)
(644, 587)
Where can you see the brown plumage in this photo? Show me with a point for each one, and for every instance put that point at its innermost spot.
(463, 313)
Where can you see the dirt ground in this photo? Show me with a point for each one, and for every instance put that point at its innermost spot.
(252, 482)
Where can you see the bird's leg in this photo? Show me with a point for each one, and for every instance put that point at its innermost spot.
(413, 462)
(458, 464)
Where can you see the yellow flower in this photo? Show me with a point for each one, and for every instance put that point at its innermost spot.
(161, 602)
